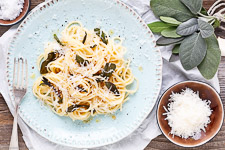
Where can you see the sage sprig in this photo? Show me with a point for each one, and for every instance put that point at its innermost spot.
(187, 25)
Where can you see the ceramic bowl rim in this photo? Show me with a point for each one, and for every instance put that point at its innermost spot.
(22, 18)
(203, 142)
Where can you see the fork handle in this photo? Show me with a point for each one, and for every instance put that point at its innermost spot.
(14, 137)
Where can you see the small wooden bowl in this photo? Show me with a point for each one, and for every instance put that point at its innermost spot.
(206, 92)
(22, 15)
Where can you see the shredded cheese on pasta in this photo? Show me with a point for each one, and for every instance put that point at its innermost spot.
(81, 86)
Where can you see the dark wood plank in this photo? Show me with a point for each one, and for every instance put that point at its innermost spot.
(160, 142)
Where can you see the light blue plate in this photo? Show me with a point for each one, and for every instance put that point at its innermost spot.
(39, 27)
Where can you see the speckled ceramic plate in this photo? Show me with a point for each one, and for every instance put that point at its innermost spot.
(38, 28)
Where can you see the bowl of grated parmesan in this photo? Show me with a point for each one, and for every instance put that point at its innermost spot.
(190, 113)
(13, 11)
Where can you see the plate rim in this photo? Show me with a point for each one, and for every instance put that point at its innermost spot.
(159, 65)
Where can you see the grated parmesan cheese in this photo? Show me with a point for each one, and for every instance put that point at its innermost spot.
(10, 9)
(187, 114)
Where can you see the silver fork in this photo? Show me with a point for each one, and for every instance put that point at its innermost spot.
(20, 83)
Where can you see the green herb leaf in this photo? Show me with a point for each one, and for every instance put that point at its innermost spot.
(194, 6)
(206, 29)
(51, 57)
(60, 101)
(170, 20)
(217, 23)
(74, 107)
(176, 49)
(188, 27)
(108, 69)
(93, 46)
(158, 27)
(81, 89)
(112, 88)
(57, 40)
(163, 41)
(171, 8)
(204, 11)
(192, 51)
(48, 83)
(170, 33)
(81, 61)
(85, 37)
(210, 64)
(102, 35)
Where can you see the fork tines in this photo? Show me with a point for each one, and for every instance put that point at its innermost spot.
(20, 73)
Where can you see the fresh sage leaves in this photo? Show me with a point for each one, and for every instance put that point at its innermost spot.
(170, 33)
(158, 27)
(163, 41)
(188, 27)
(210, 64)
(194, 6)
(171, 8)
(205, 28)
(170, 20)
(192, 51)
(112, 88)
(81, 61)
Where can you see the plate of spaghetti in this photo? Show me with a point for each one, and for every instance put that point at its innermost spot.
(95, 74)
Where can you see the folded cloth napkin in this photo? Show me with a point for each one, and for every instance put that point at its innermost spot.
(173, 72)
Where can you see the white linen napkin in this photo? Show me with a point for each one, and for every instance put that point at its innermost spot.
(172, 73)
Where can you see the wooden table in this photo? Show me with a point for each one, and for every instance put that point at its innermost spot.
(6, 119)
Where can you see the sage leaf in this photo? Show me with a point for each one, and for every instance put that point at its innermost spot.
(176, 49)
(188, 27)
(204, 11)
(170, 32)
(192, 51)
(57, 40)
(81, 61)
(74, 107)
(163, 41)
(51, 57)
(210, 64)
(85, 37)
(112, 88)
(158, 27)
(216, 23)
(170, 20)
(108, 70)
(194, 6)
(206, 29)
(171, 8)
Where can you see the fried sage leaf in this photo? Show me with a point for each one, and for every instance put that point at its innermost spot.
(72, 108)
(51, 57)
(112, 88)
(102, 35)
(81, 89)
(81, 61)
(48, 83)
(85, 37)
(108, 69)
(93, 46)
(57, 40)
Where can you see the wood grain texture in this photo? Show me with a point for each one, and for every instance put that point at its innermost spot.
(218, 143)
